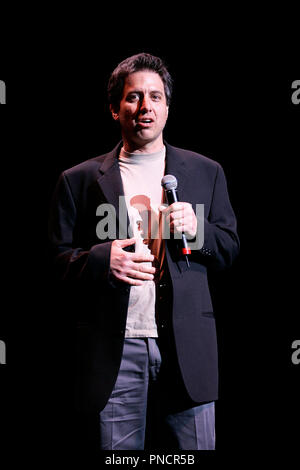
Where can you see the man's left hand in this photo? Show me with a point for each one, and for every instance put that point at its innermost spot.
(181, 217)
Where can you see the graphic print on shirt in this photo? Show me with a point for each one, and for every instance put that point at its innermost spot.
(146, 227)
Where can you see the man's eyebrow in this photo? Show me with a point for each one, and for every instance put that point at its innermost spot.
(141, 91)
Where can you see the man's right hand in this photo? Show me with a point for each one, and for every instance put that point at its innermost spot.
(129, 267)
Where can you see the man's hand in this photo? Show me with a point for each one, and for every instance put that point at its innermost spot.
(181, 217)
(128, 267)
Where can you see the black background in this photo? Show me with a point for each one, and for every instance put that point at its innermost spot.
(227, 106)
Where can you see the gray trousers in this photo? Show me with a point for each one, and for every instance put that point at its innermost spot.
(149, 391)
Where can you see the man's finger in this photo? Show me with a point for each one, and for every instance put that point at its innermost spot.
(143, 268)
(176, 206)
(131, 281)
(175, 215)
(163, 207)
(140, 275)
(141, 258)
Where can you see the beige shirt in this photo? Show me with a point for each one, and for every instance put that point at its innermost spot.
(141, 176)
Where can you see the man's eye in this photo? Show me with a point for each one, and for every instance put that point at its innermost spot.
(156, 97)
(133, 97)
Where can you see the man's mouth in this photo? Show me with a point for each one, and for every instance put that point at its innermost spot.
(144, 122)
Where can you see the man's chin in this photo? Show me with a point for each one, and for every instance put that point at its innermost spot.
(142, 139)
(146, 136)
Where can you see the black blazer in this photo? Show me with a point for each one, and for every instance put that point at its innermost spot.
(100, 306)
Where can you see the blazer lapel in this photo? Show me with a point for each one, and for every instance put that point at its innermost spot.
(175, 165)
(111, 185)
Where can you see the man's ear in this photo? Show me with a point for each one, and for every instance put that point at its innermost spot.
(113, 113)
(167, 108)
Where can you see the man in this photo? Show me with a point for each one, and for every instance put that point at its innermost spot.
(146, 328)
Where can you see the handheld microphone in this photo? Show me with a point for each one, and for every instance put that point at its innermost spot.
(169, 183)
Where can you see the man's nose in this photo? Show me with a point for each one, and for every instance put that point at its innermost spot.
(145, 105)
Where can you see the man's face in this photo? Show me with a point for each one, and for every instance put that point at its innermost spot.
(143, 110)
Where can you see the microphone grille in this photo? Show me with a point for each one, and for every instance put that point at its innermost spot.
(169, 182)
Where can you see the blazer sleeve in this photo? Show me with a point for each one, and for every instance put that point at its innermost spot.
(71, 261)
(221, 242)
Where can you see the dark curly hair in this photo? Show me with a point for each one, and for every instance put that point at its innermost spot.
(136, 63)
